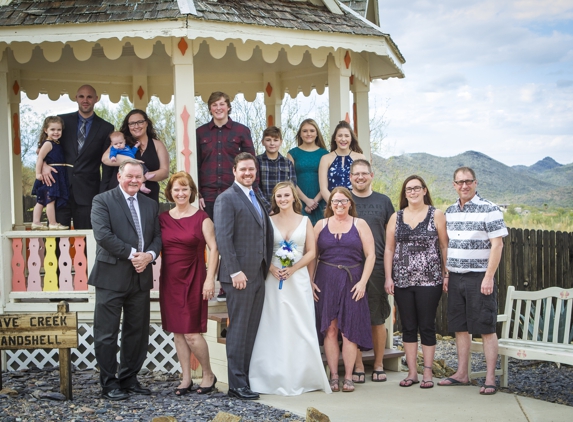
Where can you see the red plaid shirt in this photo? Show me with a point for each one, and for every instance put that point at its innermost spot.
(217, 148)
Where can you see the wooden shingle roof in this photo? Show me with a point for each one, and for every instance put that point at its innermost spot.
(273, 13)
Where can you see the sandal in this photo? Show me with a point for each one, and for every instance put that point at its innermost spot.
(183, 391)
(488, 387)
(427, 384)
(334, 384)
(408, 382)
(378, 379)
(207, 390)
(348, 386)
(361, 377)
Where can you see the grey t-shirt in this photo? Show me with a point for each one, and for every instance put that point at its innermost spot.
(376, 210)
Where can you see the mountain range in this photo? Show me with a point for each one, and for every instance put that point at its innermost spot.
(545, 182)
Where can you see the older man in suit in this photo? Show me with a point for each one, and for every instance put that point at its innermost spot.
(245, 241)
(85, 138)
(126, 229)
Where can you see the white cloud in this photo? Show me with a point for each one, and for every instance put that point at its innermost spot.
(485, 75)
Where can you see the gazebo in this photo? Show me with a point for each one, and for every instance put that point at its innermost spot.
(168, 49)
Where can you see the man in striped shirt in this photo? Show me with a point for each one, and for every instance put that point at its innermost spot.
(475, 229)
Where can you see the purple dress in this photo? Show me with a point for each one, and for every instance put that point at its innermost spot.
(339, 260)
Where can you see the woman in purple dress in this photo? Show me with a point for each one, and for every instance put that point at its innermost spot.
(345, 261)
(414, 263)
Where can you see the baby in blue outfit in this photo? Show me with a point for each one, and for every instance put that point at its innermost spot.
(118, 147)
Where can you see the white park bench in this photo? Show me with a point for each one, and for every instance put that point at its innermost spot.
(536, 326)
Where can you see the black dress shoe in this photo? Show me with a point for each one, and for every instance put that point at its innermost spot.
(115, 394)
(243, 393)
(138, 389)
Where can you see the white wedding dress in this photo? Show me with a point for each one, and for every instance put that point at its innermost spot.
(286, 356)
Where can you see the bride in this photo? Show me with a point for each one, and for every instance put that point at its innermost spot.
(286, 356)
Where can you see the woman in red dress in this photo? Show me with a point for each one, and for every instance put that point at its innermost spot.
(186, 285)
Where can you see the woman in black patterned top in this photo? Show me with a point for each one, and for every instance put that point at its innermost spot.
(415, 267)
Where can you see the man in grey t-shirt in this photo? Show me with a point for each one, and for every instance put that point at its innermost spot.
(376, 209)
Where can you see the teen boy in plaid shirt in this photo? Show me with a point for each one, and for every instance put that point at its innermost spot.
(273, 167)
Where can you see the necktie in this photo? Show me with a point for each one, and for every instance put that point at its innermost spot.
(255, 202)
(137, 226)
(82, 136)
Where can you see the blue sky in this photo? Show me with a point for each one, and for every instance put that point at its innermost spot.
(494, 76)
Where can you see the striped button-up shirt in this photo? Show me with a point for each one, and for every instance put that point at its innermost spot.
(470, 229)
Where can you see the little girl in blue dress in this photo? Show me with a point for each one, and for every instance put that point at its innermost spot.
(55, 195)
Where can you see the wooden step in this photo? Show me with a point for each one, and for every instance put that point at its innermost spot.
(222, 317)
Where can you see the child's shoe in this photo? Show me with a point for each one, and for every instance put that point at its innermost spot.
(39, 226)
(58, 226)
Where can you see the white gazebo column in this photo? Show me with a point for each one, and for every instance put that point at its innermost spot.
(339, 88)
(362, 115)
(184, 90)
(139, 91)
(7, 180)
(273, 98)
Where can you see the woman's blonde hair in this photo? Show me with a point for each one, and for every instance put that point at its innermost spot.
(296, 205)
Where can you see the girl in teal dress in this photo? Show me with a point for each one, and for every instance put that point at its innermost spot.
(306, 159)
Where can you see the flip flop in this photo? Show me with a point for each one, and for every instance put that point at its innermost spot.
(453, 383)
(427, 384)
(408, 382)
(491, 387)
(378, 373)
(361, 377)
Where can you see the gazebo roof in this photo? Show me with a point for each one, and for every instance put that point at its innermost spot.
(287, 14)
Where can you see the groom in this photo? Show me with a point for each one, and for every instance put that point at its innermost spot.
(245, 241)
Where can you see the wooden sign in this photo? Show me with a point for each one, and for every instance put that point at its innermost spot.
(38, 331)
(43, 331)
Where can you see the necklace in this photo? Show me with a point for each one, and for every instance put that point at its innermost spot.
(177, 215)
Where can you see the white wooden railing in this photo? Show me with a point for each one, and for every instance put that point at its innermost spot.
(38, 272)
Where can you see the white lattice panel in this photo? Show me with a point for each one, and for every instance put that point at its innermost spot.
(161, 354)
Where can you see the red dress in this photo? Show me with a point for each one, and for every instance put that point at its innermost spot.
(183, 273)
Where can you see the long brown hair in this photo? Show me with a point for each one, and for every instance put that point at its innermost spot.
(151, 134)
(296, 205)
(404, 200)
(352, 207)
(319, 140)
(46, 124)
(343, 124)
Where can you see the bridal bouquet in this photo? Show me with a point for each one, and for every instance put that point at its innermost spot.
(286, 255)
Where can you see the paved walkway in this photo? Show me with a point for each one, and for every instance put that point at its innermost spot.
(389, 402)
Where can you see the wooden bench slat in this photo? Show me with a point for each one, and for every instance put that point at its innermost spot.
(536, 320)
(567, 332)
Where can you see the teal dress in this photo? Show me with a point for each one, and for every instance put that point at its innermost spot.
(306, 169)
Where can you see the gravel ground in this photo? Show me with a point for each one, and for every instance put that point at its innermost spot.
(538, 379)
(38, 399)
(36, 394)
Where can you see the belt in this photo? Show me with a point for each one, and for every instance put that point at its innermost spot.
(61, 164)
(342, 267)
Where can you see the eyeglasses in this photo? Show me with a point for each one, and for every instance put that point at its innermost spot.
(414, 189)
(360, 174)
(340, 201)
(138, 123)
(468, 182)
